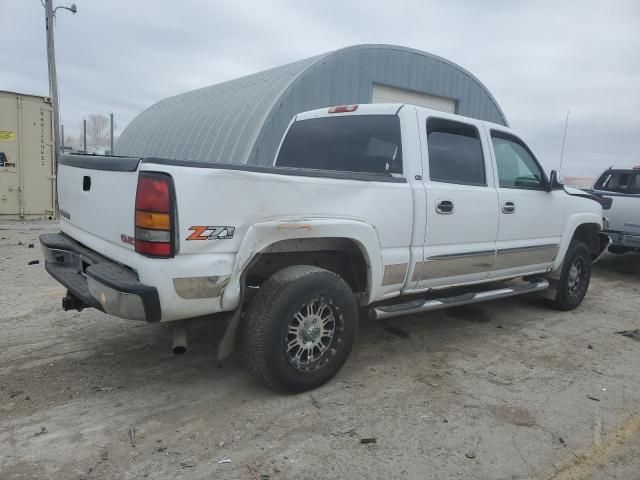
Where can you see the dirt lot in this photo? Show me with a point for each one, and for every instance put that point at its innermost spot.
(503, 390)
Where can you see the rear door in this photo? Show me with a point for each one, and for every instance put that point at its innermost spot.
(462, 203)
(531, 218)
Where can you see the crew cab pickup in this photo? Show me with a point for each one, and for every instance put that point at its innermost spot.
(382, 210)
(622, 187)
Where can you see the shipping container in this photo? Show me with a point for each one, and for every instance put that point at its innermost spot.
(27, 181)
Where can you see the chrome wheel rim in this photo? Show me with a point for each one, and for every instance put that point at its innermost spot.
(577, 277)
(311, 333)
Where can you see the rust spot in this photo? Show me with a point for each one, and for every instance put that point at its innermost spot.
(294, 226)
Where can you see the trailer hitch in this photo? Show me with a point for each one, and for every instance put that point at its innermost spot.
(71, 302)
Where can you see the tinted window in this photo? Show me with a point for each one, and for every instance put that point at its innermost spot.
(517, 168)
(455, 153)
(619, 181)
(354, 143)
(634, 184)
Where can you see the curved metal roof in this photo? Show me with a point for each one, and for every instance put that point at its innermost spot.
(242, 120)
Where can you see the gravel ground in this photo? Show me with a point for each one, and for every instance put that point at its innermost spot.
(502, 390)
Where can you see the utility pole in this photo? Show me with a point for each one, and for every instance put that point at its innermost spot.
(111, 150)
(84, 134)
(50, 13)
(53, 82)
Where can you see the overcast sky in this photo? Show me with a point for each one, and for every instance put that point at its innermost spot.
(538, 58)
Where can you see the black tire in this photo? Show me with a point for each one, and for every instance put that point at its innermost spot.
(284, 360)
(618, 249)
(575, 277)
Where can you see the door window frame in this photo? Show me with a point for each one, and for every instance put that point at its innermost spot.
(515, 139)
(483, 153)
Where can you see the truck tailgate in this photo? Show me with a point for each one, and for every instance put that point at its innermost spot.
(96, 196)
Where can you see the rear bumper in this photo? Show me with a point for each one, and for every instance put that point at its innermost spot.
(624, 239)
(97, 281)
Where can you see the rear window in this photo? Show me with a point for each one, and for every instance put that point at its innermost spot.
(352, 143)
(619, 181)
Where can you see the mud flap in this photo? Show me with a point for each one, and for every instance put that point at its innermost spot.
(553, 278)
(605, 241)
(228, 342)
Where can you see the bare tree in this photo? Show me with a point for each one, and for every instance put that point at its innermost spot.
(72, 141)
(97, 130)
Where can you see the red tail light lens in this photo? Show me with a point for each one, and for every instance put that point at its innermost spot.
(153, 193)
(155, 215)
(155, 249)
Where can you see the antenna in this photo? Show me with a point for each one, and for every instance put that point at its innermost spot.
(564, 138)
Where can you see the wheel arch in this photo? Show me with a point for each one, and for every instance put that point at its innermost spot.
(587, 233)
(344, 256)
(299, 237)
(584, 227)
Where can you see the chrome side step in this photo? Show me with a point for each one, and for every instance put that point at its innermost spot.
(421, 305)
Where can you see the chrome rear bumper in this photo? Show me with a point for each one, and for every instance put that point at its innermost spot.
(97, 281)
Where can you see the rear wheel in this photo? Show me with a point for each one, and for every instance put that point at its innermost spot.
(299, 328)
(575, 277)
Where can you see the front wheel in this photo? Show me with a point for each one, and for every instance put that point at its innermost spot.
(575, 277)
(299, 328)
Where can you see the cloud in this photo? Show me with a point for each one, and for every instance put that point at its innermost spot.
(539, 59)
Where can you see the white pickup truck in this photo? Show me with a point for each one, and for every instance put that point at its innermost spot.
(390, 209)
(621, 186)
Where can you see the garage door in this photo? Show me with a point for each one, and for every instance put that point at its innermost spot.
(386, 94)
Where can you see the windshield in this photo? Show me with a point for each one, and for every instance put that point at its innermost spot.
(353, 143)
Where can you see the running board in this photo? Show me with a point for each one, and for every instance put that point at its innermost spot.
(422, 305)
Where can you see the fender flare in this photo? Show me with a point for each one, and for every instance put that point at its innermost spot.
(261, 235)
(573, 222)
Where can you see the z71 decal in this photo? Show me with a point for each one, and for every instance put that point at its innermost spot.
(201, 232)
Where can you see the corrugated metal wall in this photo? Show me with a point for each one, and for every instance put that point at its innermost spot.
(26, 157)
(243, 120)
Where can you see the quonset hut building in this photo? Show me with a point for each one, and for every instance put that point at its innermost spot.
(243, 120)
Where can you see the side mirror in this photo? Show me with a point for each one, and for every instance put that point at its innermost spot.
(554, 183)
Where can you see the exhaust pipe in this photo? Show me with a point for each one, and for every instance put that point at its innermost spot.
(179, 340)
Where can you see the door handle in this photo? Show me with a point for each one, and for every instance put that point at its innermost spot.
(444, 207)
(508, 207)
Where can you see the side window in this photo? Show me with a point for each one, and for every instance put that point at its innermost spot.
(517, 168)
(455, 153)
(603, 181)
(618, 181)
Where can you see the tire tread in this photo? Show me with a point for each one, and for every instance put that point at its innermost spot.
(257, 324)
(561, 302)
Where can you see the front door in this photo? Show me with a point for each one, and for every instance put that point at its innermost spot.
(462, 205)
(531, 218)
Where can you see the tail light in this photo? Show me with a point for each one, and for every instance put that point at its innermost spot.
(155, 215)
